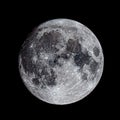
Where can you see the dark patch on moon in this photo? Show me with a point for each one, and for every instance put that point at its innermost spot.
(50, 82)
(77, 48)
(96, 51)
(54, 61)
(70, 45)
(26, 59)
(81, 58)
(49, 77)
(73, 46)
(36, 81)
(49, 41)
(84, 76)
(65, 55)
(94, 66)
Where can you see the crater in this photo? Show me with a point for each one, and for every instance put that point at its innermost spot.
(96, 51)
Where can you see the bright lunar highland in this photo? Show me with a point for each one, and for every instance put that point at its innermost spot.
(61, 62)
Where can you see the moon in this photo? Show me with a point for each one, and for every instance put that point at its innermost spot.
(61, 62)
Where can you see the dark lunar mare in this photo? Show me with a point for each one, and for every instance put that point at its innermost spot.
(48, 42)
(36, 81)
(30, 67)
(81, 59)
(54, 61)
(26, 59)
(96, 51)
(94, 66)
(84, 76)
(49, 78)
(73, 46)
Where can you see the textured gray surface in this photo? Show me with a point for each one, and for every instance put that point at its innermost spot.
(60, 60)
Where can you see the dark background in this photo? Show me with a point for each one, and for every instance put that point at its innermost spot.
(22, 18)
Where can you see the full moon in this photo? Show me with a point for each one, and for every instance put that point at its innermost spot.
(61, 62)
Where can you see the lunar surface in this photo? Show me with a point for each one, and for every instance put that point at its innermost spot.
(61, 62)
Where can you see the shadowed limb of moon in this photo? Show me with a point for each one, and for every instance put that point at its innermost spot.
(62, 62)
